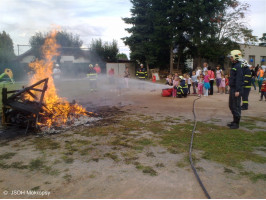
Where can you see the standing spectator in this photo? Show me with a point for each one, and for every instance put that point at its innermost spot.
(206, 83)
(260, 75)
(212, 77)
(126, 76)
(200, 85)
(219, 73)
(253, 77)
(198, 71)
(97, 69)
(263, 90)
(222, 85)
(176, 85)
(205, 68)
(226, 84)
(257, 68)
(111, 74)
(235, 83)
(188, 83)
(57, 72)
(194, 81)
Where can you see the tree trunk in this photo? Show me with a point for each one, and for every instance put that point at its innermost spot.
(148, 69)
(178, 60)
(171, 59)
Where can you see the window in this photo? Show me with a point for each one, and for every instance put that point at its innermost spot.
(263, 60)
(252, 60)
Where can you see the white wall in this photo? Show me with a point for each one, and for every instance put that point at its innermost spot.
(119, 68)
(27, 59)
(72, 58)
(252, 50)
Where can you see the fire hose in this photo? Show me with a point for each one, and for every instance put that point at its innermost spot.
(190, 152)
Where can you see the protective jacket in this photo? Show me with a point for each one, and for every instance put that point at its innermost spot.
(236, 77)
(182, 89)
(92, 75)
(247, 77)
(142, 73)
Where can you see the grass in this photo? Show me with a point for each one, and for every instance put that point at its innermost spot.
(7, 155)
(39, 164)
(146, 169)
(112, 155)
(67, 178)
(35, 188)
(251, 122)
(253, 176)
(67, 159)
(220, 144)
(43, 143)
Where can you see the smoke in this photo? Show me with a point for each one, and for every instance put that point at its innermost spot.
(110, 91)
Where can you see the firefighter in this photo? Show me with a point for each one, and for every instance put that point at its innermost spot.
(247, 84)
(92, 75)
(182, 89)
(235, 83)
(141, 74)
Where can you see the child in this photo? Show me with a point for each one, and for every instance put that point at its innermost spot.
(206, 83)
(188, 83)
(222, 85)
(175, 84)
(169, 80)
(200, 85)
(194, 81)
(263, 90)
(226, 84)
(176, 76)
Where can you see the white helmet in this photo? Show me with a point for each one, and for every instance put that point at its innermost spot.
(244, 63)
(236, 54)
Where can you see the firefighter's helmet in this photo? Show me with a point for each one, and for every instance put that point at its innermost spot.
(236, 54)
(244, 63)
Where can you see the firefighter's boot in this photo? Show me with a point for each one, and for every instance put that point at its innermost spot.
(235, 125)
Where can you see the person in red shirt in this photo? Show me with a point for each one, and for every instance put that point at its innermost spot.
(226, 84)
(263, 90)
(111, 74)
(212, 77)
(97, 69)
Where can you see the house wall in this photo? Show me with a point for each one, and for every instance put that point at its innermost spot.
(27, 59)
(254, 52)
(72, 59)
(119, 68)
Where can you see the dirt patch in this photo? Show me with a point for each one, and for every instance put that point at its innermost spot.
(139, 149)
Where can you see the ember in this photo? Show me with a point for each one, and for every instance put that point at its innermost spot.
(39, 105)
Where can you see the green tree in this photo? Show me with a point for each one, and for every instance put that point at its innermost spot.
(6, 50)
(104, 51)
(198, 28)
(122, 56)
(69, 43)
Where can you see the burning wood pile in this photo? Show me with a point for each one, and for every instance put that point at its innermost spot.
(38, 106)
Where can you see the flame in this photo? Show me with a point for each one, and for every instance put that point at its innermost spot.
(61, 111)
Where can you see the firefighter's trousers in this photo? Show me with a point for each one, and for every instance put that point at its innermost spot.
(235, 103)
(245, 95)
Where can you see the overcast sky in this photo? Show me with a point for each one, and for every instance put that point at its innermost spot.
(88, 18)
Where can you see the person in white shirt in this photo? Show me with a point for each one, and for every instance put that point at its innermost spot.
(205, 67)
(56, 72)
(198, 72)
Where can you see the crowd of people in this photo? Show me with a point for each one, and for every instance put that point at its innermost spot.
(201, 81)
